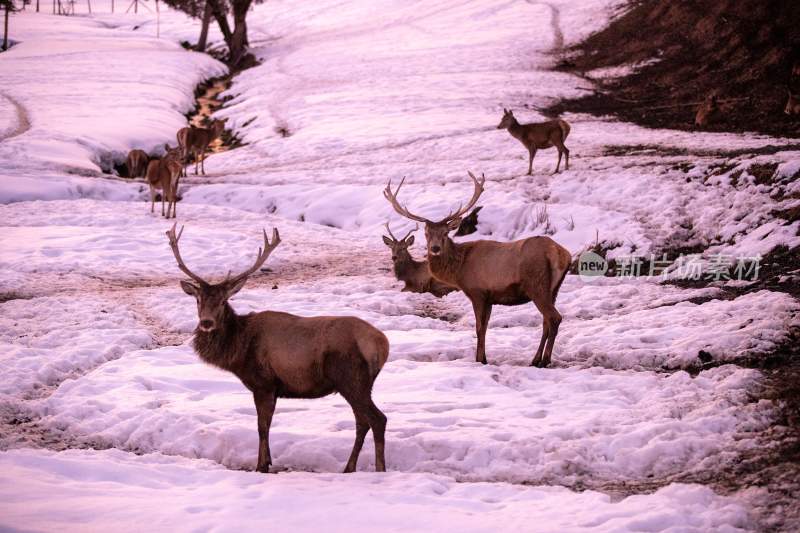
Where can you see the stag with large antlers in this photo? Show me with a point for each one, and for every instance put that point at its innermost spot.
(415, 274)
(281, 355)
(492, 272)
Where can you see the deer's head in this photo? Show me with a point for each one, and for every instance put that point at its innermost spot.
(792, 104)
(399, 247)
(212, 298)
(436, 233)
(507, 120)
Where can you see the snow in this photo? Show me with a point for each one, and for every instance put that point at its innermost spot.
(90, 491)
(96, 332)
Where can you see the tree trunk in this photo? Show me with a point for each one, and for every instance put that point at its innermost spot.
(238, 43)
(222, 21)
(5, 27)
(207, 13)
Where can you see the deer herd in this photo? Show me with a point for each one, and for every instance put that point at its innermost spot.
(163, 172)
(279, 355)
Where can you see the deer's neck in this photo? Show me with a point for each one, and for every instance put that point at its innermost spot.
(225, 346)
(516, 129)
(447, 265)
(406, 268)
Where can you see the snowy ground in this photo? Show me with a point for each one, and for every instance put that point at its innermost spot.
(95, 330)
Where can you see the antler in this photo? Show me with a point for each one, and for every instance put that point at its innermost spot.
(416, 227)
(173, 243)
(263, 253)
(475, 195)
(401, 210)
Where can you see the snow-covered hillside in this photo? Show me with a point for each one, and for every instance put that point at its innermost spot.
(96, 331)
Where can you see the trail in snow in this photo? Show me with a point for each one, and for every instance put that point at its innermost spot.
(23, 120)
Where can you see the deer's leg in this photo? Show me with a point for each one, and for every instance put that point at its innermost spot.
(362, 427)
(483, 310)
(203, 162)
(163, 199)
(351, 378)
(551, 319)
(265, 407)
(562, 150)
(152, 199)
(531, 155)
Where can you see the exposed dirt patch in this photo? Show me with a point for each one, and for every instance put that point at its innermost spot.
(742, 50)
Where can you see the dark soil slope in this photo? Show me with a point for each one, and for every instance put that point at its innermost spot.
(742, 49)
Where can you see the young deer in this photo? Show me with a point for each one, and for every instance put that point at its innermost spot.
(136, 163)
(792, 104)
(538, 135)
(195, 141)
(278, 355)
(416, 274)
(164, 174)
(491, 272)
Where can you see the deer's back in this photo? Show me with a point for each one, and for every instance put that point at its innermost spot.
(496, 266)
(294, 348)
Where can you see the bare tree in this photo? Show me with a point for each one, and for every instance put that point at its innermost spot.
(235, 38)
(7, 6)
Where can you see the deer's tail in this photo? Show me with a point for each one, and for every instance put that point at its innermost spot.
(564, 129)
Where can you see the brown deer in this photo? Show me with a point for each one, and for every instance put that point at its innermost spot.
(792, 104)
(136, 163)
(278, 355)
(195, 141)
(415, 274)
(164, 174)
(708, 113)
(491, 272)
(538, 135)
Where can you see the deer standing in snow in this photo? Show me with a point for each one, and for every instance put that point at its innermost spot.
(538, 135)
(136, 163)
(195, 141)
(415, 274)
(492, 272)
(164, 174)
(278, 355)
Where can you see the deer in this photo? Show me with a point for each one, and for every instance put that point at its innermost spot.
(495, 273)
(792, 104)
(136, 163)
(278, 355)
(708, 113)
(195, 141)
(538, 135)
(164, 174)
(415, 274)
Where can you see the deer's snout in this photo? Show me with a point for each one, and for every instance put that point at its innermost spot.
(206, 324)
(435, 249)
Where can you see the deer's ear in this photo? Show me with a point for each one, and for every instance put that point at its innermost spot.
(236, 287)
(454, 224)
(410, 240)
(387, 241)
(190, 288)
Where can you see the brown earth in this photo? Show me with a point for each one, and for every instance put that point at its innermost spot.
(742, 49)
